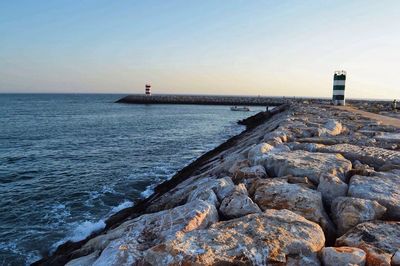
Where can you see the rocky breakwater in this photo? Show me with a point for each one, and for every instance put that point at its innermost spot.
(312, 185)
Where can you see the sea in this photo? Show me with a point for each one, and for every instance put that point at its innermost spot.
(69, 161)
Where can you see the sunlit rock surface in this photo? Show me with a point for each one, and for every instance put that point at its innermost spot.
(256, 239)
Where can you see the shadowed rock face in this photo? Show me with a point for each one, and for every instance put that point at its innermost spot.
(331, 187)
(258, 239)
(332, 256)
(238, 204)
(379, 239)
(383, 188)
(348, 212)
(303, 163)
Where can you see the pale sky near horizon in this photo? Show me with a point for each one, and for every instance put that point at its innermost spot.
(276, 48)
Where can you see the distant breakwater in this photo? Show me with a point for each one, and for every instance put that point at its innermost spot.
(370, 105)
(203, 100)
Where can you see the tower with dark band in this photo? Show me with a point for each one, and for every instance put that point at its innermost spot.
(148, 90)
(339, 80)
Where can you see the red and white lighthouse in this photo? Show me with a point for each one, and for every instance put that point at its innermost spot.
(148, 90)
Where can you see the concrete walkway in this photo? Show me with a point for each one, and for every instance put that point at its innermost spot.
(385, 120)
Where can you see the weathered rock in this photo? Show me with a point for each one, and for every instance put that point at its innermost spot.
(275, 236)
(180, 194)
(330, 128)
(87, 260)
(303, 163)
(279, 194)
(238, 204)
(257, 151)
(311, 147)
(277, 136)
(257, 171)
(348, 212)
(228, 163)
(372, 156)
(237, 165)
(207, 195)
(333, 256)
(301, 180)
(125, 244)
(379, 239)
(331, 187)
(383, 187)
(300, 260)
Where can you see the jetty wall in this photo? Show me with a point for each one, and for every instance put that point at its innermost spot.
(203, 100)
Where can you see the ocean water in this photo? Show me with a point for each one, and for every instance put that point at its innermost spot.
(69, 161)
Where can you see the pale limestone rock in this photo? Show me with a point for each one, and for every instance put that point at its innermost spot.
(275, 236)
(257, 171)
(348, 212)
(379, 239)
(278, 194)
(382, 187)
(344, 256)
(180, 194)
(331, 187)
(372, 156)
(238, 164)
(330, 128)
(207, 195)
(257, 151)
(303, 163)
(311, 147)
(228, 163)
(87, 260)
(238, 204)
(140, 234)
(277, 136)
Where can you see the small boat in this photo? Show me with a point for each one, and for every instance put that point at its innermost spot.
(240, 108)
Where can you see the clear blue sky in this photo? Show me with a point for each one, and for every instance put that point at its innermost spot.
(253, 47)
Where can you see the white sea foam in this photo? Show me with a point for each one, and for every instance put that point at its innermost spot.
(80, 232)
(148, 192)
(123, 205)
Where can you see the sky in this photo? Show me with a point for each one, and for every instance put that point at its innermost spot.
(225, 47)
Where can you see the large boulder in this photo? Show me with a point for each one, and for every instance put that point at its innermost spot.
(333, 256)
(193, 186)
(125, 244)
(348, 212)
(331, 187)
(257, 171)
(277, 193)
(330, 128)
(275, 236)
(303, 163)
(379, 239)
(372, 156)
(238, 204)
(257, 151)
(382, 187)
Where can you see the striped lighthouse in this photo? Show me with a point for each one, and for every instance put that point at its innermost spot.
(148, 90)
(339, 80)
